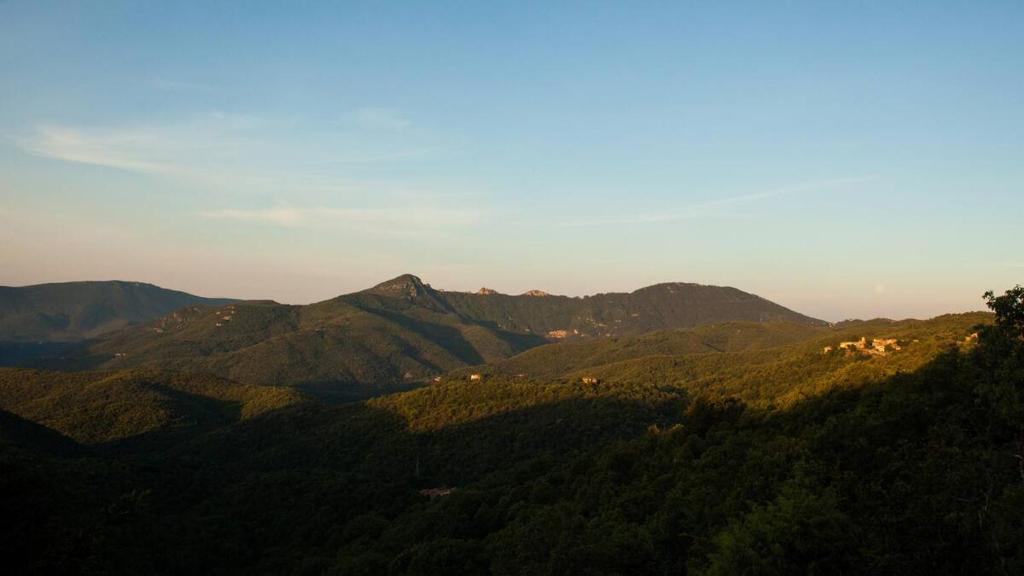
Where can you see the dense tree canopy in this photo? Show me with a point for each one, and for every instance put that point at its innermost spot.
(1009, 309)
(703, 463)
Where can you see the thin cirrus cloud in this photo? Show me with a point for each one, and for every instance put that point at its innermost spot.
(131, 150)
(221, 143)
(193, 148)
(712, 207)
(376, 218)
(224, 152)
(173, 85)
(372, 118)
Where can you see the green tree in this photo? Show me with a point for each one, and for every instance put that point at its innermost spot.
(802, 531)
(1009, 310)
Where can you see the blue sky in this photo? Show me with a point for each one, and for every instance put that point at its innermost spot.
(843, 159)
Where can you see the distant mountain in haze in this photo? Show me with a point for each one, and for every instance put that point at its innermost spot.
(403, 331)
(79, 310)
(659, 307)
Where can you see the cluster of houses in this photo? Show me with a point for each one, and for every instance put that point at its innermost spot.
(876, 347)
(226, 315)
(563, 334)
(477, 377)
(175, 320)
(436, 492)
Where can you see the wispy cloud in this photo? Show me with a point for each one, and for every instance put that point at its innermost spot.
(123, 149)
(713, 207)
(416, 217)
(381, 119)
(221, 144)
(172, 85)
(325, 170)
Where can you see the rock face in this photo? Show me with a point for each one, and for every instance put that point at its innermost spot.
(536, 293)
(486, 291)
(404, 286)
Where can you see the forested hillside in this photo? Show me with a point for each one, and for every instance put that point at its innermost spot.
(402, 332)
(106, 407)
(662, 306)
(78, 310)
(903, 462)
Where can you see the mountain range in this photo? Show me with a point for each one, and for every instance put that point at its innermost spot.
(675, 429)
(70, 311)
(387, 337)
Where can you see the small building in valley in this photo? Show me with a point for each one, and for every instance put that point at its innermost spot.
(874, 347)
(436, 492)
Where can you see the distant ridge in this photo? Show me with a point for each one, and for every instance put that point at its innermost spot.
(404, 331)
(69, 311)
(663, 306)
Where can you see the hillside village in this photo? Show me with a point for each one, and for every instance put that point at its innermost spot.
(876, 347)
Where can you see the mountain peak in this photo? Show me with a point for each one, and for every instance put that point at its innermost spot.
(485, 291)
(537, 293)
(406, 285)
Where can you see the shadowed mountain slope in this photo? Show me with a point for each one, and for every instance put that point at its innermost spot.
(898, 464)
(79, 310)
(102, 407)
(658, 307)
(403, 331)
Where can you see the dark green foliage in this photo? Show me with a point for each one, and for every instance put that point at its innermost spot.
(802, 530)
(771, 364)
(658, 307)
(104, 407)
(402, 332)
(79, 310)
(562, 359)
(774, 460)
(17, 431)
(1009, 310)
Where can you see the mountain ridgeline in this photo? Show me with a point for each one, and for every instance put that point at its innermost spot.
(71, 311)
(659, 307)
(403, 331)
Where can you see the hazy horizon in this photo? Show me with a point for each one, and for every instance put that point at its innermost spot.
(844, 161)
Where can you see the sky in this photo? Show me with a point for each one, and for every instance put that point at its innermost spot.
(844, 159)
